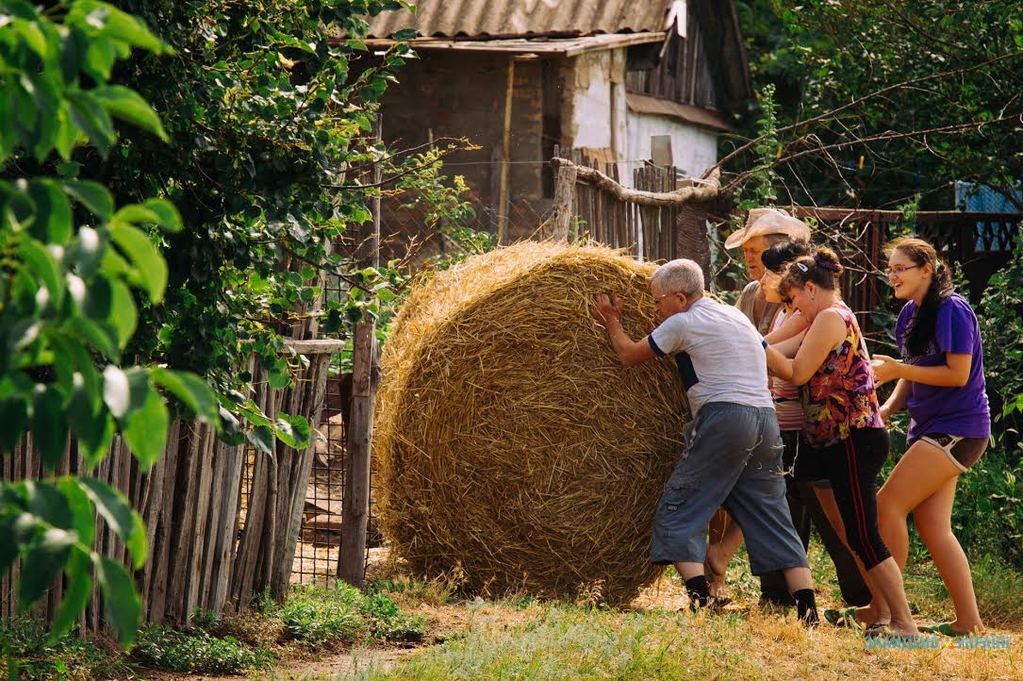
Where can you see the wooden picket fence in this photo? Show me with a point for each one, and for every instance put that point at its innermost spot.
(661, 217)
(211, 547)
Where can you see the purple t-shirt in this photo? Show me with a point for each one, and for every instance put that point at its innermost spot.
(950, 411)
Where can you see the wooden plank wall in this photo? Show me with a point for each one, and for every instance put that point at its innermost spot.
(202, 554)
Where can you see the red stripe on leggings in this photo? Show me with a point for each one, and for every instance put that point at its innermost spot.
(854, 486)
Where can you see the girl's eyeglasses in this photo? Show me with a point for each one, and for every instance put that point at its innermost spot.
(898, 269)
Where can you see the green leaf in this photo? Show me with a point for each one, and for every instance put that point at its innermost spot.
(191, 390)
(14, 416)
(167, 215)
(82, 518)
(67, 134)
(123, 315)
(92, 195)
(114, 23)
(293, 431)
(98, 302)
(119, 515)
(76, 595)
(93, 120)
(120, 601)
(97, 336)
(145, 430)
(261, 437)
(279, 375)
(33, 37)
(93, 427)
(49, 427)
(100, 56)
(46, 501)
(144, 256)
(45, 267)
(53, 212)
(42, 564)
(127, 105)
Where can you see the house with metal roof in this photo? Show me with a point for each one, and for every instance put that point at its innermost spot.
(625, 81)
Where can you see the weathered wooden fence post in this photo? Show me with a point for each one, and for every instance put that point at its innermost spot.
(351, 565)
(558, 226)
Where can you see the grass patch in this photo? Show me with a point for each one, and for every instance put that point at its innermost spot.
(197, 651)
(29, 654)
(341, 614)
(999, 590)
(566, 641)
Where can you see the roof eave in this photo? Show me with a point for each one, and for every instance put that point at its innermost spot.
(692, 115)
(567, 46)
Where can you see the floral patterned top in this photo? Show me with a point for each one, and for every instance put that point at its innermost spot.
(840, 395)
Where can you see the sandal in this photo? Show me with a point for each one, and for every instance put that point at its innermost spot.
(945, 629)
(841, 618)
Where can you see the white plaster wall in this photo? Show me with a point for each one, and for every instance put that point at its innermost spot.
(591, 100)
(693, 149)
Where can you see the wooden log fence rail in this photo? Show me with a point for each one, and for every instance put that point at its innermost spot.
(207, 549)
(660, 217)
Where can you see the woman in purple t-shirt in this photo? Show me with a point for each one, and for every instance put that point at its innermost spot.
(941, 383)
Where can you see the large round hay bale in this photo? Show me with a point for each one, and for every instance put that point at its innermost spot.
(511, 445)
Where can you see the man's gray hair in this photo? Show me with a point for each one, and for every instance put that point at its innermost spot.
(680, 276)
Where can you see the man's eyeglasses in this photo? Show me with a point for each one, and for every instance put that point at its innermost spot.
(898, 269)
(661, 297)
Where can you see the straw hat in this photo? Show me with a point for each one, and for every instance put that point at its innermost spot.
(764, 221)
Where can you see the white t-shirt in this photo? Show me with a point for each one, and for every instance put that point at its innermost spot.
(719, 355)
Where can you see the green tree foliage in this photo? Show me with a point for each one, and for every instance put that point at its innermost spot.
(879, 101)
(1001, 325)
(271, 108)
(73, 263)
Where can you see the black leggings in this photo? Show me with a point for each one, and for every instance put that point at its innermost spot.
(852, 465)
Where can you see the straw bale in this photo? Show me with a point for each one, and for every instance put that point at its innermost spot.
(511, 446)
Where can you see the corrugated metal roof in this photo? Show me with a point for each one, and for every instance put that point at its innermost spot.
(471, 18)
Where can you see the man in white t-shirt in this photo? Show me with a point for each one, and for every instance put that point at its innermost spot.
(732, 455)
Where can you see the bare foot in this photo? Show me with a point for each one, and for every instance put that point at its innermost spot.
(964, 628)
(905, 628)
(868, 615)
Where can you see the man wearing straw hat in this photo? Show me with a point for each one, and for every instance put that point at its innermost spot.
(764, 228)
(732, 454)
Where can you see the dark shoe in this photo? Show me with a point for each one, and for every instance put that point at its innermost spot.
(714, 605)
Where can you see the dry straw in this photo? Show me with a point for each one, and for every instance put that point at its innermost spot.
(511, 445)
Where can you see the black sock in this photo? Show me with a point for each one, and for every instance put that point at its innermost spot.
(699, 592)
(806, 605)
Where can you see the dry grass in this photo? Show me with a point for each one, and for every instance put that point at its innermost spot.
(511, 444)
(651, 640)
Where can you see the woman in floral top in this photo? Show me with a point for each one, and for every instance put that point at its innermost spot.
(843, 424)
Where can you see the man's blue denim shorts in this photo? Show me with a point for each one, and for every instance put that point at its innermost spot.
(732, 458)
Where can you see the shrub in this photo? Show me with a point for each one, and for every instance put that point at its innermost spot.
(1001, 327)
(197, 651)
(30, 654)
(988, 513)
(315, 615)
(390, 624)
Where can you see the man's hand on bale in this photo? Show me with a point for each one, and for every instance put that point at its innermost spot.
(606, 308)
